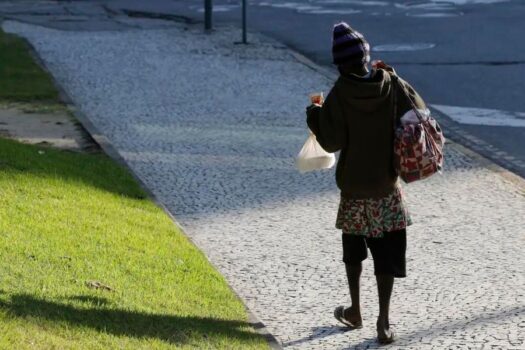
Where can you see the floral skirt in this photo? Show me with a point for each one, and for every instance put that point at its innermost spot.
(371, 217)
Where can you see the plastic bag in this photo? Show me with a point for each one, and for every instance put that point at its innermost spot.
(313, 157)
(410, 117)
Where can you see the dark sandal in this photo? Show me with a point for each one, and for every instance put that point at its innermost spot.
(339, 315)
(387, 340)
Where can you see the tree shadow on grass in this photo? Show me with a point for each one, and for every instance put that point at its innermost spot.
(169, 328)
(89, 299)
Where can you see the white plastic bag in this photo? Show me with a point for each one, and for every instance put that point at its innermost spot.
(410, 117)
(313, 157)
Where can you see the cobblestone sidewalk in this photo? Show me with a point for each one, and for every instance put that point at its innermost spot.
(212, 129)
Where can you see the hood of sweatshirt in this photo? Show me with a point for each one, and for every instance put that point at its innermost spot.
(365, 94)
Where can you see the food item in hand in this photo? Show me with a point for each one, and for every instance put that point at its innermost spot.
(378, 64)
(317, 98)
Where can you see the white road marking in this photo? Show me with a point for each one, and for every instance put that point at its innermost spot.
(435, 14)
(331, 12)
(472, 2)
(357, 2)
(291, 6)
(403, 47)
(218, 8)
(429, 6)
(481, 116)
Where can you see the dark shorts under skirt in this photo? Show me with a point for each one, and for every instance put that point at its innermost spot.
(388, 252)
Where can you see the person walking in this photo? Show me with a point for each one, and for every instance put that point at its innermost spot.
(357, 118)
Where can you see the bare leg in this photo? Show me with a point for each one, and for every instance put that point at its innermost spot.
(353, 272)
(385, 284)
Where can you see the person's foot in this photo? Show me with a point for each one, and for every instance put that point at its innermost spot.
(353, 315)
(384, 334)
(350, 317)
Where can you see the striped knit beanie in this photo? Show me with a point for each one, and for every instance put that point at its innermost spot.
(349, 46)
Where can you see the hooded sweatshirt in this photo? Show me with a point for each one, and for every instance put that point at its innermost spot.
(357, 119)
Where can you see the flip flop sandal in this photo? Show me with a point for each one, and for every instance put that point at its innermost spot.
(387, 340)
(339, 315)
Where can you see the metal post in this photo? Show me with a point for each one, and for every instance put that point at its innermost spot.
(208, 10)
(244, 34)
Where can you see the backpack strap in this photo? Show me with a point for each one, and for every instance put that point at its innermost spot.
(396, 121)
(397, 83)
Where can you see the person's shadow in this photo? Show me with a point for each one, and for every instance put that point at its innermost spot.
(318, 333)
(105, 318)
(411, 338)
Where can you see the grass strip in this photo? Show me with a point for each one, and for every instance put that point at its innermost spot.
(88, 262)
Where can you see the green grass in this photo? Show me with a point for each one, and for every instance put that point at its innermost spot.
(66, 219)
(21, 79)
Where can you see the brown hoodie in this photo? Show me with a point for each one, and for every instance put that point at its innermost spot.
(357, 119)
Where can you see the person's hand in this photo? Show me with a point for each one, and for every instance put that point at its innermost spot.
(378, 64)
(313, 105)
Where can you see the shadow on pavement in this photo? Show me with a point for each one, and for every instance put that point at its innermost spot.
(319, 333)
(324, 332)
(446, 327)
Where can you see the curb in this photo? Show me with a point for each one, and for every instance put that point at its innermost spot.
(500, 160)
(328, 73)
(509, 176)
(105, 144)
